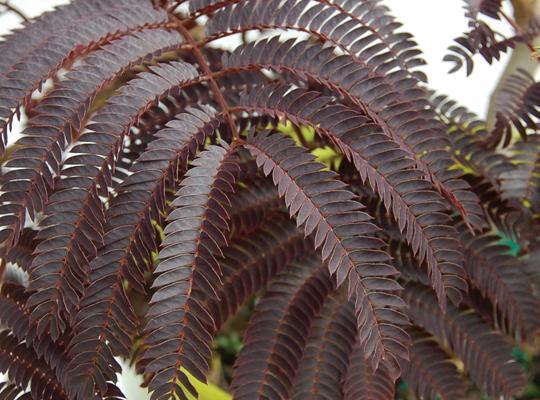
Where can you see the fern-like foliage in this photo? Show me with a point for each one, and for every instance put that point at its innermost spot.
(471, 340)
(162, 184)
(517, 107)
(521, 185)
(482, 39)
(431, 370)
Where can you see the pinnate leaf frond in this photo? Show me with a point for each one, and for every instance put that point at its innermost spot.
(387, 170)
(189, 272)
(431, 372)
(106, 313)
(326, 209)
(165, 183)
(269, 360)
(486, 354)
(362, 382)
(325, 360)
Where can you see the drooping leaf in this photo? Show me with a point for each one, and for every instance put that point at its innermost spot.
(431, 373)
(326, 209)
(269, 360)
(420, 212)
(58, 121)
(405, 119)
(56, 51)
(325, 360)
(106, 313)
(188, 273)
(486, 354)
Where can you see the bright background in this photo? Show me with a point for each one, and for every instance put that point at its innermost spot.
(434, 23)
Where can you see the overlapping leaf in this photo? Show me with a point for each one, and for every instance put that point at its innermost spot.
(106, 313)
(73, 226)
(403, 118)
(55, 52)
(483, 167)
(430, 372)
(137, 91)
(268, 362)
(338, 22)
(250, 263)
(521, 187)
(420, 212)
(325, 360)
(188, 273)
(486, 354)
(58, 121)
(501, 278)
(329, 211)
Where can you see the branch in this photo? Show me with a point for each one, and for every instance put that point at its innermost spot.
(15, 10)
